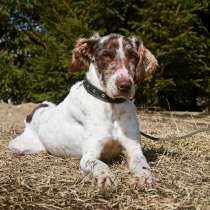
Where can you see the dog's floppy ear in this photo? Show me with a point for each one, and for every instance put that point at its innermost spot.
(82, 54)
(146, 65)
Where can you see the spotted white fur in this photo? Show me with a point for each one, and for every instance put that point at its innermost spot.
(81, 126)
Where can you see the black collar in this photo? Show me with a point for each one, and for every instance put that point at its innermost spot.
(94, 91)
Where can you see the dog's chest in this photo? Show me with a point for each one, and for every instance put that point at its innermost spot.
(111, 149)
(108, 126)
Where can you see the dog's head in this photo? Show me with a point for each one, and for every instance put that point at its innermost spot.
(119, 62)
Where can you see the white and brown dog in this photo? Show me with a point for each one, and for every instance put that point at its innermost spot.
(97, 119)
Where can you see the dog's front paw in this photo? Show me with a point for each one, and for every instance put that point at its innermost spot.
(143, 180)
(105, 182)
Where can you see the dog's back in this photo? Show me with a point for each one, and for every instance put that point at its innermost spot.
(51, 128)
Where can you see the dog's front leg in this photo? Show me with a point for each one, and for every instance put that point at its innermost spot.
(142, 176)
(90, 163)
(130, 139)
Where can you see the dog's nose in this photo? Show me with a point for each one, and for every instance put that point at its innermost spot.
(124, 84)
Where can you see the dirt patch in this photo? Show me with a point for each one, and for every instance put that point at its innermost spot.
(181, 169)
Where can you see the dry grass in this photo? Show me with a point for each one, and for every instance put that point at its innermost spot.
(181, 168)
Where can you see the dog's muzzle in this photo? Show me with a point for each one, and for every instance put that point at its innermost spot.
(123, 84)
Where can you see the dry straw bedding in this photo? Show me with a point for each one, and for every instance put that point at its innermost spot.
(181, 169)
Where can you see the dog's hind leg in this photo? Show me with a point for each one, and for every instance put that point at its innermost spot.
(26, 143)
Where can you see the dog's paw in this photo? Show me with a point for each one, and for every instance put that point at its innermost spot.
(143, 180)
(105, 182)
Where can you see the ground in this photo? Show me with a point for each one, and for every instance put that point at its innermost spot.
(181, 169)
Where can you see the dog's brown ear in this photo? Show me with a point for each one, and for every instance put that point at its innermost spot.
(147, 63)
(82, 54)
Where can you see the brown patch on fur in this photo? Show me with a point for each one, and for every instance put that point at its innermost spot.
(131, 53)
(104, 55)
(82, 54)
(146, 65)
(106, 59)
(111, 150)
(111, 43)
(30, 116)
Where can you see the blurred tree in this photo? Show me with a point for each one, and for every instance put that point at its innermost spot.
(37, 37)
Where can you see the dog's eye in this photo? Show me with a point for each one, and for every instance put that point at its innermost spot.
(107, 54)
(133, 54)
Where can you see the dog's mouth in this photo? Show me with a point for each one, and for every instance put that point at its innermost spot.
(129, 94)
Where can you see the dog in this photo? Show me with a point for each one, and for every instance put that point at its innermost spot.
(97, 120)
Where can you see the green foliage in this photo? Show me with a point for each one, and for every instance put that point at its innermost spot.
(37, 37)
(177, 35)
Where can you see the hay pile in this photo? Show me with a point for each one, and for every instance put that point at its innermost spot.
(181, 168)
